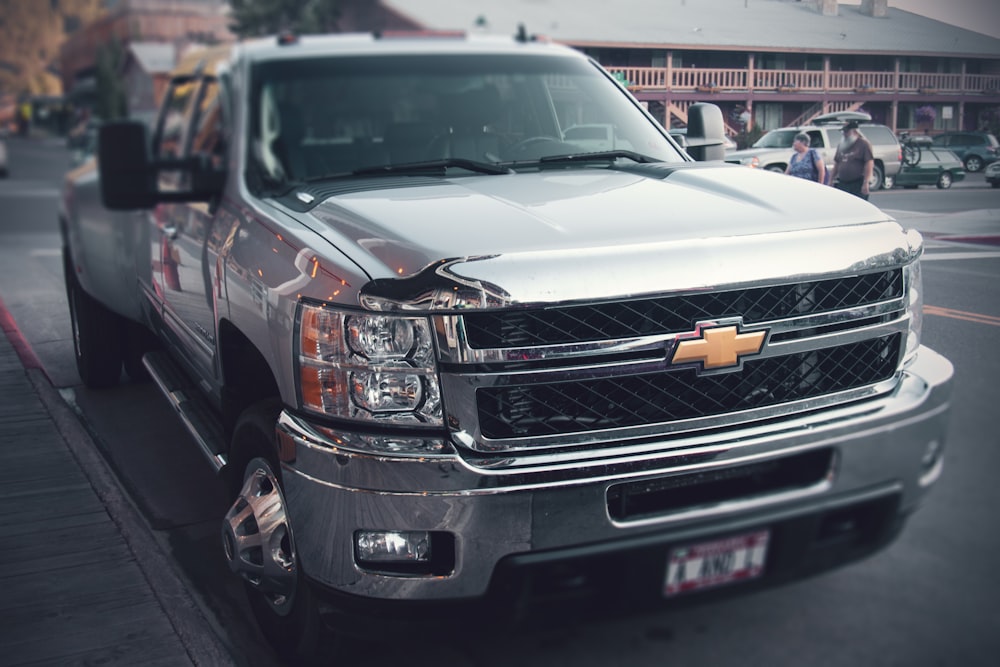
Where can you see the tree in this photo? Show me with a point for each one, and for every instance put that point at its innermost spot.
(111, 100)
(31, 33)
(264, 17)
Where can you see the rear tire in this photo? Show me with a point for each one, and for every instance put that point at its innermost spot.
(973, 163)
(944, 181)
(259, 546)
(97, 334)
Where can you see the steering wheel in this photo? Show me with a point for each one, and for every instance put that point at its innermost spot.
(533, 146)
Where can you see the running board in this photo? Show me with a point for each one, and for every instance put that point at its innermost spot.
(195, 413)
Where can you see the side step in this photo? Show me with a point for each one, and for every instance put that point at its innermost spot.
(194, 411)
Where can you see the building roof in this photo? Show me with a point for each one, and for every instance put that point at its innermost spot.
(744, 25)
(153, 57)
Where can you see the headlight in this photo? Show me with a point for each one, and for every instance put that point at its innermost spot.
(752, 162)
(913, 284)
(367, 366)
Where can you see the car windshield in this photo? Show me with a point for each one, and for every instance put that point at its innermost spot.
(777, 139)
(331, 117)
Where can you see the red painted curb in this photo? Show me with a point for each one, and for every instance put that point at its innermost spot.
(17, 339)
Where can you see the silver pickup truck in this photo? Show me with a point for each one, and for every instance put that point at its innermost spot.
(462, 328)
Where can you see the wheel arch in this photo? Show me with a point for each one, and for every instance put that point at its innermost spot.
(247, 380)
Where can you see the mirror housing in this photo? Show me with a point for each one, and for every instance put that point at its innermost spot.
(124, 165)
(128, 174)
(706, 132)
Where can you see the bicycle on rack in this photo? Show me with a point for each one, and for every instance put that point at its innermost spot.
(912, 148)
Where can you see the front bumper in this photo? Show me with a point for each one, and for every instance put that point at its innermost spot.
(884, 451)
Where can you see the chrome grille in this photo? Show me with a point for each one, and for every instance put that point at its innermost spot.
(577, 406)
(672, 314)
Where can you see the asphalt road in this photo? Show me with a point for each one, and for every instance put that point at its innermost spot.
(929, 599)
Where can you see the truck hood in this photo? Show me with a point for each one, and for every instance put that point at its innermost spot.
(559, 235)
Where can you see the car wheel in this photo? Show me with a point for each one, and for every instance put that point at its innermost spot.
(995, 184)
(888, 183)
(875, 182)
(97, 334)
(258, 544)
(944, 181)
(777, 168)
(973, 163)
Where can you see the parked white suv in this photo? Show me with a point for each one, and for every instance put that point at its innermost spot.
(773, 150)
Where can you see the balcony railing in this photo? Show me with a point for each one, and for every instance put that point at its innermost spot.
(695, 79)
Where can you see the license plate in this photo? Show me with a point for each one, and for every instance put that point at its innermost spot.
(710, 564)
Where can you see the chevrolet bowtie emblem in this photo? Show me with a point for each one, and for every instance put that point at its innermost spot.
(718, 347)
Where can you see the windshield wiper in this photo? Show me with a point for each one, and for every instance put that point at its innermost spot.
(432, 166)
(600, 155)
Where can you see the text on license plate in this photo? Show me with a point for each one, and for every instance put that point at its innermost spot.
(732, 559)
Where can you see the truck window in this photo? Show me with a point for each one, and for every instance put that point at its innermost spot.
(209, 135)
(177, 108)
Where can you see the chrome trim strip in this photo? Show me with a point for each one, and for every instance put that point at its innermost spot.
(454, 348)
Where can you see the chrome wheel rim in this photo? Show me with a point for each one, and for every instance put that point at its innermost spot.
(258, 541)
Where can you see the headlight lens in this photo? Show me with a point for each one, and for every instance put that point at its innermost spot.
(367, 366)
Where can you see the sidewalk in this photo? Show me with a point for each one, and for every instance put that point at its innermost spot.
(84, 580)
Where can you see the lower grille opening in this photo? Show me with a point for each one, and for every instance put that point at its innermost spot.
(635, 500)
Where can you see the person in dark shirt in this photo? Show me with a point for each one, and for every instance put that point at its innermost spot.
(853, 163)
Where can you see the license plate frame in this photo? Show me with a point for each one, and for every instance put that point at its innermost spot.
(714, 563)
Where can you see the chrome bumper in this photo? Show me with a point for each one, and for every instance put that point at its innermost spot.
(891, 444)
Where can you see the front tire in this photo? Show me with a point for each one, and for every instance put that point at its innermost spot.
(875, 182)
(258, 543)
(944, 181)
(97, 334)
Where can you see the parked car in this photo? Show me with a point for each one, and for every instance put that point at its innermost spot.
(773, 150)
(937, 166)
(3, 159)
(975, 149)
(993, 174)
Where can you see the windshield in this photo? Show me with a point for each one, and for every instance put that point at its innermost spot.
(777, 139)
(318, 118)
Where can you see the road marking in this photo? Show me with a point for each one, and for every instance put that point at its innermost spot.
(45, 252)
(938, 256)
(962, 315)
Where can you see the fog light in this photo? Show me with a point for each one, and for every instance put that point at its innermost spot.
(393, 546)
(932, 463)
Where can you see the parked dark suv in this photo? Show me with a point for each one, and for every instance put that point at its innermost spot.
(974, 149)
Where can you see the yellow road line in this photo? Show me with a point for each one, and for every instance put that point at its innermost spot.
(962, 315)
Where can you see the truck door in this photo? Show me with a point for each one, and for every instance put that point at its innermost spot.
(188, 280)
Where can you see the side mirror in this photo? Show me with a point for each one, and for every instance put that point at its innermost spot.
(128, 174)
(124, 165)
(706, 132)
